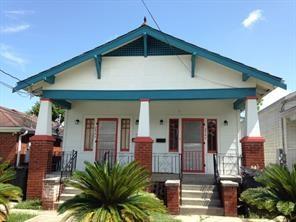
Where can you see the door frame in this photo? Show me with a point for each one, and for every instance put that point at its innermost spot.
(97, 136)
(202, 120)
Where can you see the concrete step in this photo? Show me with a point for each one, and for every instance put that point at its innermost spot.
(66, 196)
(201, 201)
(199, 187)
(71, 190)
(57, 204)
(200, 194)
(201, 210)
(199, 179)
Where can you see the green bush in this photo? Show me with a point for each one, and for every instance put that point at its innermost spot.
(29, 204)
(111, 194)
(277, 196)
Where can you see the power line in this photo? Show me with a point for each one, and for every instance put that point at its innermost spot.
(179, 58)
(10, 75)
(20, 93)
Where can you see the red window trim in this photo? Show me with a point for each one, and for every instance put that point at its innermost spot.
(125, 149)
(175, 149)
(85, 124)
(213, 151)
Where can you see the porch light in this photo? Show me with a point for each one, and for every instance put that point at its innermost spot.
(137, 122)
(161, 122)
(77, 121)
(225, 123)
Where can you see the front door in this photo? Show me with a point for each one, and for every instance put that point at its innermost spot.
(106, 140)
(193, 145)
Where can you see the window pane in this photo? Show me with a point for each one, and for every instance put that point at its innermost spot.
(125, 134)
(212, 135)
(89, 134)
(173, 135)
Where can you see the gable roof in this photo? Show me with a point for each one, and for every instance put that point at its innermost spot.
(14, 118)
(146, 30)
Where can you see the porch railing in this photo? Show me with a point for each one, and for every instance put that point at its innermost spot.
(166, 163)
(227, 164)
(193, 161)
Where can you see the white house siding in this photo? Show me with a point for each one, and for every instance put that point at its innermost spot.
(270, 127)
(153, 72)
(228, 136)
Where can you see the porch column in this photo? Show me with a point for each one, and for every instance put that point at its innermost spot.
(143, 141)
(252, 142)
(41, 150)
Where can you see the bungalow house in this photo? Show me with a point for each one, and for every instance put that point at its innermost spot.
(148, 96)
(278, 126)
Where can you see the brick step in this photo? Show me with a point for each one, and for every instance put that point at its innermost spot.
(199, 187)
(201, 201)
(201, 210)
(200, 194)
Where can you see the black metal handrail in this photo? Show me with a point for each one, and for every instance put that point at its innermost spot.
(68, 165)
(216, 171)
(180, 176)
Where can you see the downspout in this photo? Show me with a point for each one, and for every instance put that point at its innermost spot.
(20, 148)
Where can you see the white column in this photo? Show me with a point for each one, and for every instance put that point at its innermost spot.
(252, 128)
(144, 120)
(44, 126)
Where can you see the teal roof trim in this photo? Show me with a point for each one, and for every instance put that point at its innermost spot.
(168, 39)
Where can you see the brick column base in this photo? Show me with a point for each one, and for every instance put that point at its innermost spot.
(39, 164)
(229, 197)
(50, 193)
(253, 152)
(143, 152)
(173, 196)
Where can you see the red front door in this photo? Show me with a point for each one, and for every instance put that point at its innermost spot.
(106, 140)
(193, 145)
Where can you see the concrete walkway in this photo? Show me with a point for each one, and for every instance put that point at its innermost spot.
(205, 218)
(52, 216)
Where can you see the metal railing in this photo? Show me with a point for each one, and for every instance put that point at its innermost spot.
(192, 161)
(67, 165)
(216, 171)
(165, 163)
(227, 164)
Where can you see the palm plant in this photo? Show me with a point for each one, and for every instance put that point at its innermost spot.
(277, 194)
(8, 192)
(111, 194)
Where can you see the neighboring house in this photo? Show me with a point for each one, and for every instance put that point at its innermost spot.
(151, 97)
(278, 127)
(16, 128)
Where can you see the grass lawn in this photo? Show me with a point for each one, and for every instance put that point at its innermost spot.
(29, 204)
(163, 218)
(19, 217)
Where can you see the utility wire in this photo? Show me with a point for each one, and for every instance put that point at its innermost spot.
(179, 58)
(20, 93)
(16, 78)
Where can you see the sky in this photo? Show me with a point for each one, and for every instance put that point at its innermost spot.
(36, 35)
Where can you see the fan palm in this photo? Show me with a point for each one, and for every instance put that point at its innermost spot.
(111, 194)
(8, 192)
(277, 194)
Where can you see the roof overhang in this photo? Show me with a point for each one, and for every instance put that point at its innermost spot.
(144, 30)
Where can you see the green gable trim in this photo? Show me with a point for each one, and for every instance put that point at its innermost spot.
(146, 46)
(50, 79)
(185, 94)
(245, 77)
(98, 61)
(160, 36)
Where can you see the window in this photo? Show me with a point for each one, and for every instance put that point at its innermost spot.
(212, 135)
(173, 135)
(89, 134)
(125, 134)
